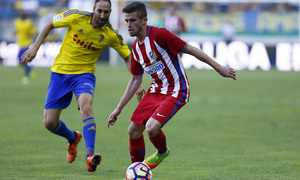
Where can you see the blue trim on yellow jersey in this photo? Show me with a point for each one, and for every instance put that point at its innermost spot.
(115, 31)
(110, 27)
(76, 11)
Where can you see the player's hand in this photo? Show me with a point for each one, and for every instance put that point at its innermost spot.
(140, 93)
(113, 117)
(28, 55)
(227, 72)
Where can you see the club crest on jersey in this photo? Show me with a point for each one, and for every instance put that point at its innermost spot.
(152, 55)
(101, 37)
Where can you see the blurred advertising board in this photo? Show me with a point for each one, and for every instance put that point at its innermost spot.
(237, 54)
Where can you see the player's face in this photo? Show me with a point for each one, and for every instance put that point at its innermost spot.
(134, 23)
(102, 12)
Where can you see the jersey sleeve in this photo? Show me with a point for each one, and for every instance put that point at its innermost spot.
(170, 41)
(64, 19)
(120, 46)
(136, 68)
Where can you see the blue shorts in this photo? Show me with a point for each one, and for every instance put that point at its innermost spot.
(62, 86)
(21, 52)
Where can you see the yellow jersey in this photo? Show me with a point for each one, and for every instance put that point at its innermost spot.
(83, 44)
(24, 31)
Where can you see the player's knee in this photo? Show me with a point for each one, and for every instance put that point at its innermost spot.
(86, 110)
(152, 132)
(50, 125)
(153, 128)
(49, 122)
(133, 134)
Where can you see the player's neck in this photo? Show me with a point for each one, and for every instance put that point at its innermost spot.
(141, 39)
(142, 35)
(93, 23)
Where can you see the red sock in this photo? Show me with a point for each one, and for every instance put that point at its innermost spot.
(159, 142)
(137, 149)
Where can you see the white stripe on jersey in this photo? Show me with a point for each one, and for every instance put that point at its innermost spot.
(160, 73)
(170, 65)
(148, 49)
(141, 61)
(134, 55)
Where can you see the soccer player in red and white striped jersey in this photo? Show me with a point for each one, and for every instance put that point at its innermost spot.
(156, 52)
(158, 57)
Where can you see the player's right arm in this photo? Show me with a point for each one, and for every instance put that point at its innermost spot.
(141, 91)
(133, 85)
(30, 54)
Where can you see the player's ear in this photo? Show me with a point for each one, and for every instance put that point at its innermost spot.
(145, 20)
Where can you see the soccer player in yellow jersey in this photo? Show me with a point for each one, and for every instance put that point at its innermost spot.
(24, 31)
(73, 71)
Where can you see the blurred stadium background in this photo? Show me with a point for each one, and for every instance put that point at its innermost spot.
(266, 31)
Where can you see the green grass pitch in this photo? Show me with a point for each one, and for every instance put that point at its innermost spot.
(245, 129)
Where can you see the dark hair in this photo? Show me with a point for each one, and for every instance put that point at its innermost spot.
(103, 0)
(136, 6)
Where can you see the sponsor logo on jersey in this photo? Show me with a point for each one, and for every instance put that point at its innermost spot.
(87, 45)
(58, 18)
(80, 30)
(153, 68)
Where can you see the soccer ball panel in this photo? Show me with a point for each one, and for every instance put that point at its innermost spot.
(138, 171)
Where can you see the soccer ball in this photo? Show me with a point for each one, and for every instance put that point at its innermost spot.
(138, 171)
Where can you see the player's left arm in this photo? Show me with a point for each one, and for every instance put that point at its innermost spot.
(200, 55)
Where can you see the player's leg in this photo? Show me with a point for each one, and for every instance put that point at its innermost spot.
(85, 102)
(167, 108)
(89, 125)
(156, 135)
(59, 96)
(136, 142)
(139, 118)
(84, 92)
(56, 126)
(158, 139)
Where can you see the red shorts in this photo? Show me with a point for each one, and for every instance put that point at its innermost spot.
(158, 106)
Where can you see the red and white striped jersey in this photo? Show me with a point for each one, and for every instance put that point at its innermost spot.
(158, 56)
